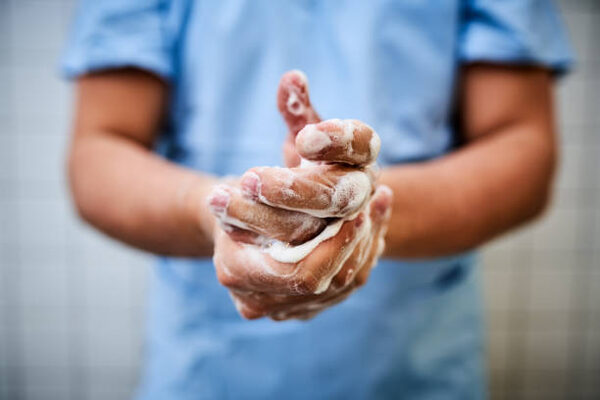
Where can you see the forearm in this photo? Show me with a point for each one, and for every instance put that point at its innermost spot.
(133, 195)
(460, 201)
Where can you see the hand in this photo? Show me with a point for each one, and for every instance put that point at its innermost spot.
(275, 206)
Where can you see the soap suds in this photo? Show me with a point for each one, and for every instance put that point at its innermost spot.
(374, 145)
(314, 140)
(302, 77)
(285, 253)
(348, 127)
(282, 252)
(362, 232)
(349, 193)
(294, 105)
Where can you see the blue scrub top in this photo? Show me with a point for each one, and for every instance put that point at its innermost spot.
(415, 330)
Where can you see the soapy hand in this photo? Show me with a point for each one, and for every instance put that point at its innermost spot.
(295, 241)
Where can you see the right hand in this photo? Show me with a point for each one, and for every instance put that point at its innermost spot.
(294, 205)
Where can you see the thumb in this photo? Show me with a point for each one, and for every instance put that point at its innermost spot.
(380, 205)
(294, 105)
(293, 101)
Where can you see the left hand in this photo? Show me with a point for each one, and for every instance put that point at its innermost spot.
(293, 205)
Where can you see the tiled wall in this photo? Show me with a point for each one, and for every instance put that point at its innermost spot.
(71, 301)
(543, 283)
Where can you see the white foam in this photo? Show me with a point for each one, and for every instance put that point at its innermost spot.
(350, 192)
(307, 163)
(302, 77)
(293, 104)
(314, 140)
(348, 249)
(285, 253)
(374, 146)
(348, 128)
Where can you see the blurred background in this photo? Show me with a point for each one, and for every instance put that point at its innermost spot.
(72, 301)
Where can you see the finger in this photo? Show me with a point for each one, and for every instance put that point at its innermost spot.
(320, 190)
(343, 141)
(310, 309)
(249, 268)
(326, 260)
(268, 303)
(293, 101)
(380, 212)
(244, 309)
(242, 235)
(231, 208)
(380, 205)
(375, 249)
(352, 265)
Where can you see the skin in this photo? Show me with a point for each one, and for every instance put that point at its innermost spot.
(498, 179)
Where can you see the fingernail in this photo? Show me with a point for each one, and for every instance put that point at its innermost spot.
(218, 200)
(251, 185)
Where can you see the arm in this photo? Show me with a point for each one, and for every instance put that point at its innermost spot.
(499, 179)
(117, 183)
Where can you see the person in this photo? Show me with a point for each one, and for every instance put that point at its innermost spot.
(175, 108)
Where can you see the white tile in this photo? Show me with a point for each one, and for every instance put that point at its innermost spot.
(498, 347)
(592, 361)
(6, 99)
(514, 240)
(498, 288)
(45, 348)
(52, 378)
(110, 346)
(593, 102)
(551, 290)
(41, 157)
(39, 92)
(496, 256)
(44, 284)
(571, 102)
(571, 170)
(54, 319)
(559, 230)
(36, 25)
(593, 277)
(555, 260)
(4, 361)
(41, 223)
(4, 28)
(547, 350)
(108, 393)
(579, 25)
(8, 160)
(51, 392)
(112, 383)
(107, 283)
(9, 221)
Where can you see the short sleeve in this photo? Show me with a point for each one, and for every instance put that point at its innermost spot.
(524, 32)
(108, 34)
